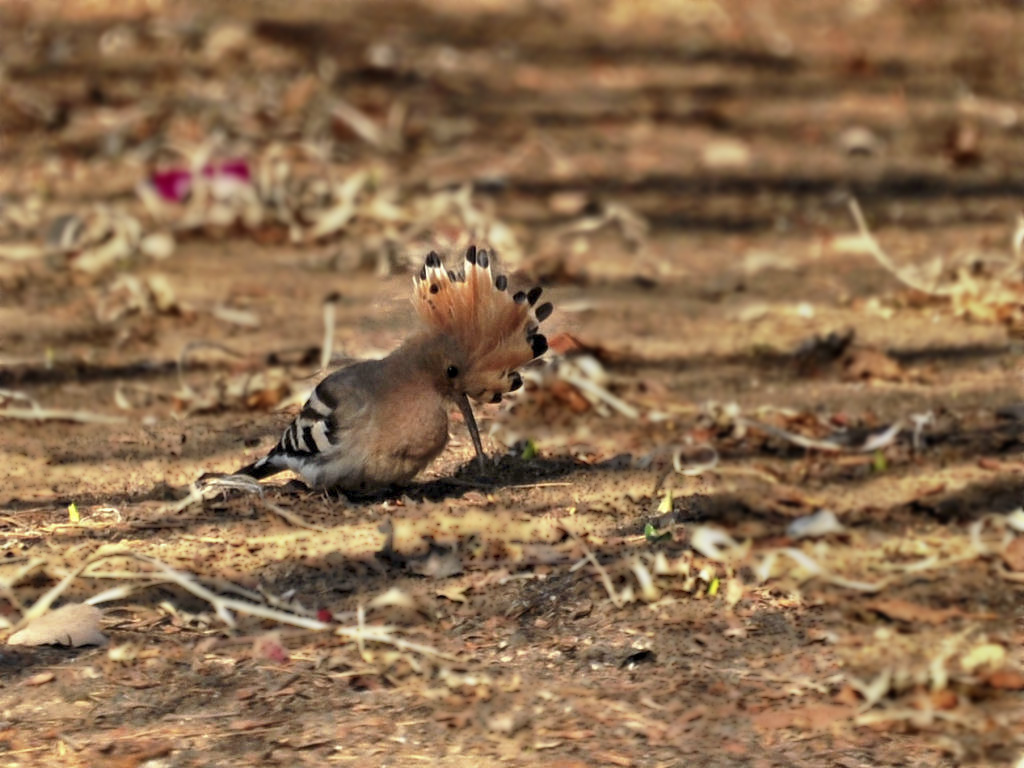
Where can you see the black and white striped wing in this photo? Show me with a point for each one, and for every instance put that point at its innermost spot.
(331, 410)
(318, 435)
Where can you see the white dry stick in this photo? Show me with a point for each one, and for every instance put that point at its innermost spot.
(813, 569)
(871, 444)
(332, 220)
(225, 606)
(195, 494)
(21, 251)
(35, 412)
(874, 690)
(213, 485)
(42, 605)
(879, 440)
(328, 345)
(360, 123)
(119, 592)
(8, 584)
(58, 414)
(883, 258)
(715, 544)
(649, 591)
(589, 557)
(363, 633)
(289, 517)
(240, 317)
(821, 523)
(1012, 576)
(13, 394)
(588, 387)
(360, 629)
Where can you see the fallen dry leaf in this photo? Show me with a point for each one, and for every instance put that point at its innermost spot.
(990, 656)
(454, 592)
(815, 716)
(821, 523)
(944, 699)
(1006, 680)
(1013, 555)
(73, 624)
(903, 610)
(40, 679)
(251, 724)
(860, 363)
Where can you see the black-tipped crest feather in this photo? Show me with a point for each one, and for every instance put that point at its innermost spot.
(496, 332)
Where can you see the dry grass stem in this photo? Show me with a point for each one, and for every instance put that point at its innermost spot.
(589, 557)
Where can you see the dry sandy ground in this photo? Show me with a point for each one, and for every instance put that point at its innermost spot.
(676, 174)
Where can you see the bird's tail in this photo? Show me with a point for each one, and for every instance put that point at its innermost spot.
(497, 331)
(269, 465)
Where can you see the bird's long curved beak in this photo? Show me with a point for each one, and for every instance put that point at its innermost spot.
(474, 433)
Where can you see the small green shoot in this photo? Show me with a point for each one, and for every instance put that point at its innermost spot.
(529, 451)
(73, 515)
(879, 462)
(652, 535)
(713, 587)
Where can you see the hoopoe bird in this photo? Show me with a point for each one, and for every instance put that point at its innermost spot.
(377, 423)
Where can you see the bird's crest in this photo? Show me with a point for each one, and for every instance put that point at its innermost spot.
(497, 331)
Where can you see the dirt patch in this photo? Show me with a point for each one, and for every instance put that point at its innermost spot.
(624, 585)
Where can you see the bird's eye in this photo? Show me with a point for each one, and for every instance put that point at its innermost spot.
(451, 371)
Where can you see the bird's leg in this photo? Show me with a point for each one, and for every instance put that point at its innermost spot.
(474, 433)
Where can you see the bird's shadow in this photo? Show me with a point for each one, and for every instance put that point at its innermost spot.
(502, 472)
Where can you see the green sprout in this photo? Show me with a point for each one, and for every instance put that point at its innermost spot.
(652, 535)
(879, 462)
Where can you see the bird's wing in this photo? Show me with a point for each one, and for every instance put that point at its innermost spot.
(339, 405)
(324, 440)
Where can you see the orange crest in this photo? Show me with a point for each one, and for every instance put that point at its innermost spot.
(497, 332)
